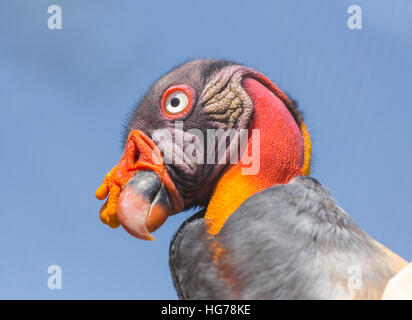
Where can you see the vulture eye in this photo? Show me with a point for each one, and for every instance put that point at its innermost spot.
(177, 100)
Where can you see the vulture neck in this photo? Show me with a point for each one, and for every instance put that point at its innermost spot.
(281, 156)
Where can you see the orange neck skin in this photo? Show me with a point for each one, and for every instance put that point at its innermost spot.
(281, 156)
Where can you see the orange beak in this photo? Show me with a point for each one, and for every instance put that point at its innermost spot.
(141, 193)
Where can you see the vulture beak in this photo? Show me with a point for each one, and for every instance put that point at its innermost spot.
(141, 194)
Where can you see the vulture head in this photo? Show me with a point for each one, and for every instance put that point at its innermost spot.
(209, 133)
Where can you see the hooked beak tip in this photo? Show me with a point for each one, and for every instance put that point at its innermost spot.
(144, 205)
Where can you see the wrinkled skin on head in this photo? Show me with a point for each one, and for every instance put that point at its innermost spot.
(192, 180)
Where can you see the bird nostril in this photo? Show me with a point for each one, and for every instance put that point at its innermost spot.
(136, 156)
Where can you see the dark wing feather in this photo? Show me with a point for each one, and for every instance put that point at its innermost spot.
(287, 242)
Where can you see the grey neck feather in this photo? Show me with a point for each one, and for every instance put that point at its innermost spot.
(287, 242)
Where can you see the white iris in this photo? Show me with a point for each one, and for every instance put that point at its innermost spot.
(176, 102)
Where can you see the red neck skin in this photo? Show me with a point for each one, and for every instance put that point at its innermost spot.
(281, 156)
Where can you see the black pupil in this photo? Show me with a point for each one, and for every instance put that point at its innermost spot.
(175, 102)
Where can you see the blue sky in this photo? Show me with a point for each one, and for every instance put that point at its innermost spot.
(65, 96)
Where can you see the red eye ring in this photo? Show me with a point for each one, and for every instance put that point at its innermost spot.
(184, 90)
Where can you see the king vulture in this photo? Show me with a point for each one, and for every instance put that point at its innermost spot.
(268, 232)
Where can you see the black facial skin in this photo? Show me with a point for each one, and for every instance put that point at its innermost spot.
(195, 184)
(148, 115)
